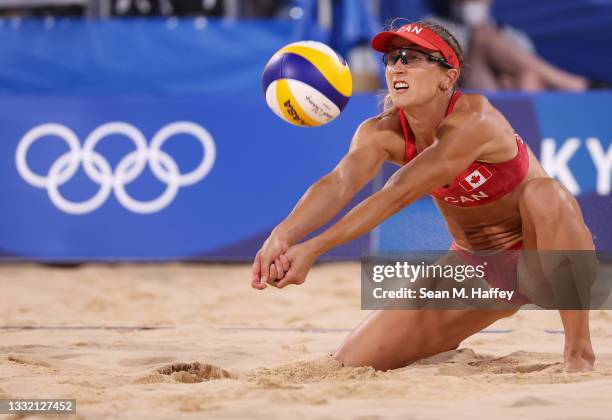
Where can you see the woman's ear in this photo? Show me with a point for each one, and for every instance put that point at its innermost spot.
(453, 75)
(449, 80)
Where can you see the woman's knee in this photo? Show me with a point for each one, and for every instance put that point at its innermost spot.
(345, 354)
(388, 340)
(350, 355)
(358, 351)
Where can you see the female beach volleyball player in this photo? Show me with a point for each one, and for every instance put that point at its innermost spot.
(503, 200)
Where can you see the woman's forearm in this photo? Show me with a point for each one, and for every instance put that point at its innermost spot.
(363, 218)
(321, 202)
(326, 197)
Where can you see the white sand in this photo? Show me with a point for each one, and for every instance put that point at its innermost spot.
(278, 372)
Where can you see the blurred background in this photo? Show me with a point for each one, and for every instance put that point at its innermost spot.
(185, 76)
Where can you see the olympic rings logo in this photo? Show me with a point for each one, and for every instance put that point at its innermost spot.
(98, 169)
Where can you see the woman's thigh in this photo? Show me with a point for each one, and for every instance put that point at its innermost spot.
(558, 267)
(551, 217)
(390, 339)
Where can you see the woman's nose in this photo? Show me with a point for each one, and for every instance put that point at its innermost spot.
(398, 68)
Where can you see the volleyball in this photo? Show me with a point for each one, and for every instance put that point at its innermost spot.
(307, 83)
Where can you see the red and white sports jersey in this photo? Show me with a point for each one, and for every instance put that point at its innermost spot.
(481, 182)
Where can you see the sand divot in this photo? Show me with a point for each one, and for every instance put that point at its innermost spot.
(324, 368)
(303, 371)
(195, 372)
(465, 355)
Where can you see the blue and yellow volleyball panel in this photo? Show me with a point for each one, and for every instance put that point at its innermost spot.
(307, 84)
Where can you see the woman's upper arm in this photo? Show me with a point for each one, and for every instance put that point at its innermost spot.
(365, 157)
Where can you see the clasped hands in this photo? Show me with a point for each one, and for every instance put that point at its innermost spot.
(279, 264)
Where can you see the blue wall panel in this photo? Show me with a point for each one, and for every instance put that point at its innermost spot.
(150, 75)
(261, 168)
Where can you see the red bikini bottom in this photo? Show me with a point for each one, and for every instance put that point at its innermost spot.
(500, 268)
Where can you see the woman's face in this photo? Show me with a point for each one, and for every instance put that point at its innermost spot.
(415, 82)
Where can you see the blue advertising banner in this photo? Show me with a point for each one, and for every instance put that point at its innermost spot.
(140, 177)
(576, 148)
(169, 177)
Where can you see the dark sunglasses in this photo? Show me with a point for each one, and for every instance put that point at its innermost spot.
(411, 55)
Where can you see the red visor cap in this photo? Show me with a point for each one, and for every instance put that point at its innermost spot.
(421, 36)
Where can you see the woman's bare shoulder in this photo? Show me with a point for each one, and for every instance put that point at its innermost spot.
(381, 127)
(477, 109)
(383, 131)
(385, 121)
(478, 104)
(473, 102)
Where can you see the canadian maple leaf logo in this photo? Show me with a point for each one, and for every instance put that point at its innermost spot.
(475, 179)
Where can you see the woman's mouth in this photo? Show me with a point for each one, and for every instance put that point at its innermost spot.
(400, 86)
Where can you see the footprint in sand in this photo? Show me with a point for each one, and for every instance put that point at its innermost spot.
(512, 363)
(465, 363)
(190, 373)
